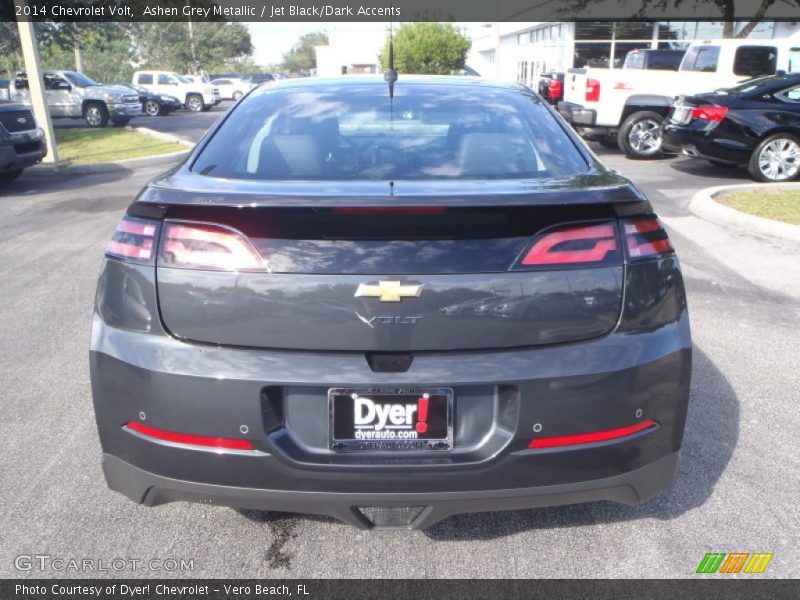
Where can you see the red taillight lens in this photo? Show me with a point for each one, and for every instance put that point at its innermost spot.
(592, 90)
(554, 89)
(205, 246)
(134, 240)
(646, 237)
(570, 245)
(590, 438)
(710, 113)
(190, 439)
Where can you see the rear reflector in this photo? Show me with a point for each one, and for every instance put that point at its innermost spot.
(554, 89)
(646, 238)
(710, 113)
(590, 438)
(190, 439)
(134, 240)
(206, 246)
(571, 245)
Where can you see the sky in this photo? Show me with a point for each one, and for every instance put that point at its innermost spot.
(272, 40)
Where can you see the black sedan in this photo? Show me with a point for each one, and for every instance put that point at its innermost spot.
(153, 105)
(756, 124)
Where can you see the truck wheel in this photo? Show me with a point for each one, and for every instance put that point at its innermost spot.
(237, 95)
(641, 135)
(194, 102)
(9, 176)
(152, 108)
(95, 114)
(776, 158)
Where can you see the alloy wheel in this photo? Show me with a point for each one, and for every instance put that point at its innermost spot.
(152, 108)
(93, 116)
(780, 160)
(645, 137)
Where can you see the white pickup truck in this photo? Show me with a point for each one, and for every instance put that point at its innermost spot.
(196, 96)
(626, 107)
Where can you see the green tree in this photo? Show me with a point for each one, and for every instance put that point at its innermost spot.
(302, 56)
(427, 49)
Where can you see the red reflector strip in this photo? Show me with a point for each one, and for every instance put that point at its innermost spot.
(590, 438)
(190, 439)
(545, 250)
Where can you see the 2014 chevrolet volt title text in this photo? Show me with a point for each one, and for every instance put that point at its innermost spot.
(390, 303)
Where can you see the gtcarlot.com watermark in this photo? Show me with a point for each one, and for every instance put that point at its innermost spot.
(65, 564)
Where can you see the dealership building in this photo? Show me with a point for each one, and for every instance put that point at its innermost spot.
(523, 51)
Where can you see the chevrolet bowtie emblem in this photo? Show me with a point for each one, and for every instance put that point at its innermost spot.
(389, 291)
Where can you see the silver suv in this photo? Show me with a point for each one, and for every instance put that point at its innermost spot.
(73, 95)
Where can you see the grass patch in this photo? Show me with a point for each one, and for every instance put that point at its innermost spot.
(82, 146)
(778, 205)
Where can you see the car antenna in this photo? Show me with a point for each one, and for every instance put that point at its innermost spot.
(390, 75)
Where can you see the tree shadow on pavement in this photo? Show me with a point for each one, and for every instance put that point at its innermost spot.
(712, 432)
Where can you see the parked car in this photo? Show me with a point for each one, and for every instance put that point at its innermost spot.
(154, 105)
(21, 141)
(627, 107)
(259, 78)
(756, 124)
(328, 375)
(232, 89)
(654, 60)
(73, 95)
(551, 86)
(195, 96)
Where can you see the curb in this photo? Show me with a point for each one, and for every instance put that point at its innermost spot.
(703, 205)
(120, 165)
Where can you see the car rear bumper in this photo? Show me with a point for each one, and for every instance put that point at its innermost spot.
(577, 114)
(124, 110)
(423, 509)
(703, 144)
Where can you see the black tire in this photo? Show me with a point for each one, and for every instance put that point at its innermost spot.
(237, 95)
(95, 114)
(641, 136)
(194, 103)
(153, 108)
(785, 166)
(121, 122)
(722, 165)
(9, 176)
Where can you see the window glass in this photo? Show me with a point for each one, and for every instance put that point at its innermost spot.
(164, 79)
(145, 79)
(752, 61)
(51, 82)
(701, 58)
(355, 132)
(794, 60)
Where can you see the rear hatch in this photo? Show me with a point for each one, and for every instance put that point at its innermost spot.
(397, 279)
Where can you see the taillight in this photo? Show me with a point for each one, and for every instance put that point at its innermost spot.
(592, 90)
(592, 437)
(134, 240)
(206, 246)
(710, 113)
(554, 89)
(645, 238)
(572, 245)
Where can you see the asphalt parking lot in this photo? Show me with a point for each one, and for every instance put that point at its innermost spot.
(739, 477)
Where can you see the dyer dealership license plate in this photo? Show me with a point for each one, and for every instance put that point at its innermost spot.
(390, 419)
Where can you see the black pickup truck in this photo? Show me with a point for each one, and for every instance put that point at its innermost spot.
(21, 141)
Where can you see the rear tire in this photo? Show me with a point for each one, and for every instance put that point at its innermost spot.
(237, 95)
(776, 159)
(95, 114)
(10, 176)
(152, 108)
(641, 136)
(194, 102)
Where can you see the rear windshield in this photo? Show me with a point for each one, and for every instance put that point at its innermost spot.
(701, 58)
(356, 132)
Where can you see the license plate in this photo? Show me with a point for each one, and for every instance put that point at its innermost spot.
(390, 419)
(681, 115)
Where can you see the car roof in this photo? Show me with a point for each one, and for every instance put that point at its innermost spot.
(402, 80)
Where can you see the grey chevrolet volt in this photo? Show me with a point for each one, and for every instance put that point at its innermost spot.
(389, 304)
